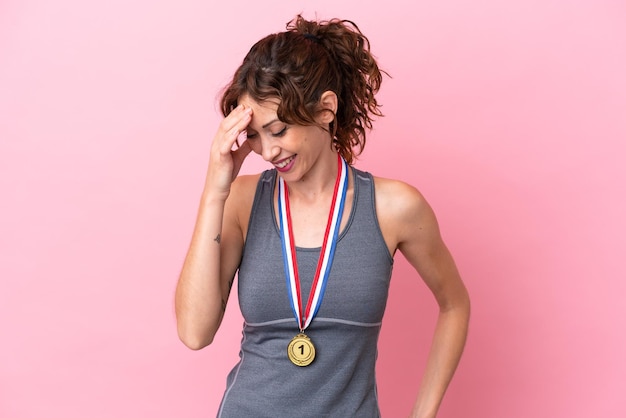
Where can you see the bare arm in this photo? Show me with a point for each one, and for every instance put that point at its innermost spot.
(216, 245)
(410, 222)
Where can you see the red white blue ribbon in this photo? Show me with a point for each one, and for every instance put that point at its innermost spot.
(304, 315)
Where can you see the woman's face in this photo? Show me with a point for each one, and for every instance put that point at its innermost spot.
(293, 149)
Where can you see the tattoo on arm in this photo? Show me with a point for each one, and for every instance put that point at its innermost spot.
(218, 238)
(230, 286)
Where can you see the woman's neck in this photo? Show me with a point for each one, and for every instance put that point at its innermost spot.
(318, 182)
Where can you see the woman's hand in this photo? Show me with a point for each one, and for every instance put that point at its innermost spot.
(225, 162)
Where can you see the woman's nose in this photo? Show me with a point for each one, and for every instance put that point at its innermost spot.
(269, 151)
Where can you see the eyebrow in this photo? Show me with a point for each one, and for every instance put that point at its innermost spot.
(270, 122)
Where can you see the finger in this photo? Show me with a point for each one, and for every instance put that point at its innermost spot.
(235, 117)
(243, 151)
(230, 137)
(241, 138)
(239, 155)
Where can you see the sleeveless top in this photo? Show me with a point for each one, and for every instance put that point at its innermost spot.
(341, 380)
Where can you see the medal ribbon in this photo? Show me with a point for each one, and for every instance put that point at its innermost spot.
(304, 317)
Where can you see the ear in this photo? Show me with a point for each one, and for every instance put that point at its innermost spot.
(327, 107)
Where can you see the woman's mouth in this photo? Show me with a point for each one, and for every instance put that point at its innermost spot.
(285, 164)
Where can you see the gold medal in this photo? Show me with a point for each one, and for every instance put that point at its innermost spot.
(301, 350)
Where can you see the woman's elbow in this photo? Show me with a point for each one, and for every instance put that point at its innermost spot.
(195, 341)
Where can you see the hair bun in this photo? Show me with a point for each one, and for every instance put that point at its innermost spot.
(311, 37)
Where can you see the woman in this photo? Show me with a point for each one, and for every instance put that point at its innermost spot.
(313, 238)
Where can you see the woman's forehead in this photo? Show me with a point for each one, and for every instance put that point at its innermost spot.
(264, 113)
(270, 104)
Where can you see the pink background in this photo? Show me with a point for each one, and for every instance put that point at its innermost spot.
(510, 116)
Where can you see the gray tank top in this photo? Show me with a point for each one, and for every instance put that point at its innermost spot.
(341, 380)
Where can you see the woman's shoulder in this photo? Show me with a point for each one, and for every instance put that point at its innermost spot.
(246, 183)
(397, 194)
(241, 197)
(401, 210)
(243, 189)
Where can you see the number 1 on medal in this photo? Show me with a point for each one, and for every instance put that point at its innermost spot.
(301, 350)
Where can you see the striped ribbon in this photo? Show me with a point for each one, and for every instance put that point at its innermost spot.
(304, 317)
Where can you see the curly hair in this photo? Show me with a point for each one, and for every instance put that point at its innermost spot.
(297, 66)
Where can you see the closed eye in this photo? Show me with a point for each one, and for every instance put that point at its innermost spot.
(280, 133)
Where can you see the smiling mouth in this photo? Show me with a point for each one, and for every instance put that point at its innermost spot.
(285, 162)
